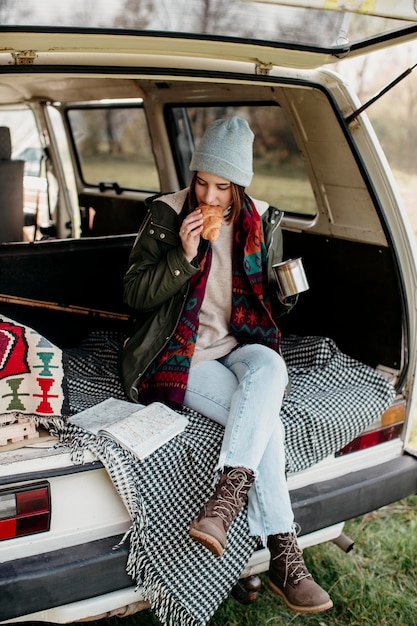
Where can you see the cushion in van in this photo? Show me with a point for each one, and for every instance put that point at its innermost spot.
(32, 373)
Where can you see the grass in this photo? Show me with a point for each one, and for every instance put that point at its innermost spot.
(290, 191)
(375, 584)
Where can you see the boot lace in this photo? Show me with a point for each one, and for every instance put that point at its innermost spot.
(231, 495)
(292, 554)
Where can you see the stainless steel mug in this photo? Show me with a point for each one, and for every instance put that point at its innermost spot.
(290, 277)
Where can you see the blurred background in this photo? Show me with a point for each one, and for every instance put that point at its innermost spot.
(392, 116)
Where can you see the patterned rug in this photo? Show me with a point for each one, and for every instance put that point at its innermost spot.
(32, 373)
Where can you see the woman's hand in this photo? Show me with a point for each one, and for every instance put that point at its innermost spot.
(190, 231)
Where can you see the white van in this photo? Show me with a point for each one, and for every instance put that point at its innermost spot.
(106, 118)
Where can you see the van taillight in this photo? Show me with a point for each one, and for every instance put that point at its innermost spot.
(391, 426)
(25, 510)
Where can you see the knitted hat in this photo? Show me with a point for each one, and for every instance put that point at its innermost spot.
(226, 151)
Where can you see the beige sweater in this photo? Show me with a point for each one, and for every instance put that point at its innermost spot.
(214, 339)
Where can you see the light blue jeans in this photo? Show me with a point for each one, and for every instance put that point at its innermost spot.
(243, 392)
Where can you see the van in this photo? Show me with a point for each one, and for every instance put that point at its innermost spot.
(95, 121)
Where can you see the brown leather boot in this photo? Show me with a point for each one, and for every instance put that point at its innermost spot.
(211, 526)
(289, 577)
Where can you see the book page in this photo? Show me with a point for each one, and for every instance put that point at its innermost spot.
(146, 429)
(103, 414)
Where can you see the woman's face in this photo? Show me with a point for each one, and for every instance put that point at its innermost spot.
(211, 189)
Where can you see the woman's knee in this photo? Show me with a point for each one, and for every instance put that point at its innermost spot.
(264, 360)
(210, 389)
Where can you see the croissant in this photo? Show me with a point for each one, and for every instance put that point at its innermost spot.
(213, 217)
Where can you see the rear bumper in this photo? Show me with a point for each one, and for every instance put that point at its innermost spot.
(63, 576)
(351, 495)
(88, 570)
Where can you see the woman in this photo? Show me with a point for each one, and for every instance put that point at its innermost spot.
(207, 316)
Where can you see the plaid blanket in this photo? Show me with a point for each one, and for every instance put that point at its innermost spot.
(332, 398)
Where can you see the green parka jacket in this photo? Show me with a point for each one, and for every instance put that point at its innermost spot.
(157, 280)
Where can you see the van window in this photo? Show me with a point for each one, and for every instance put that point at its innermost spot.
(25, 146)
(113, 145)
(280, 176)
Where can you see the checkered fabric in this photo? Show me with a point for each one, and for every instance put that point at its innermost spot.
(332, 398)
(92, 372)
(181, 579)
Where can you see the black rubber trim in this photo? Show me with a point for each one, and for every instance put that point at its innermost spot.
(12, 479)
(62, 576)
(351, 495)
(161, 34)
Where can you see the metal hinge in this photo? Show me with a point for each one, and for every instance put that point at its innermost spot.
(262, 68)
(25, 57)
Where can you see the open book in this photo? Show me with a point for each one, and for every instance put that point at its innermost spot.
(138, 428)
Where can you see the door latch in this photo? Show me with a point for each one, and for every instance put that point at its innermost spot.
(24, 57)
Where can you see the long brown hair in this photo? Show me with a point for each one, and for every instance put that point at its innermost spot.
(238, 196)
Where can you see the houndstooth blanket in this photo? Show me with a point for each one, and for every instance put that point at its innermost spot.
(183, 582)
(332, 398)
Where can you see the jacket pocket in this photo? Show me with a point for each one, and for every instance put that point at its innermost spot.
(162, 233)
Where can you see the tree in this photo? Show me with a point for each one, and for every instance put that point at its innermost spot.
(12, 12)
(138, 13)
(197, 16)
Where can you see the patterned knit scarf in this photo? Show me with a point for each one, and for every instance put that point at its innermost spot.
(251, 319)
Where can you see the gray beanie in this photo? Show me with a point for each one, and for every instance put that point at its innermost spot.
(226, 150)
